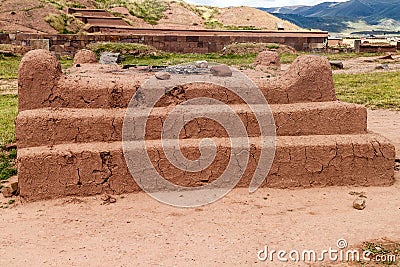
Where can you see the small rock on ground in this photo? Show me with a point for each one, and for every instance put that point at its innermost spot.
(7, 192)
(382, 67)
(163, 75)
(359, 204)
(221, 71)
(109, 58)
(336, 64)
(201, 64)
(107, 199)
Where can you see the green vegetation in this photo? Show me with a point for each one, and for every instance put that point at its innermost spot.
(150, 11)
(375, 90)
(7, 164)
(346, 56)
(33, 8)
(137, 50)
(213, 24)
(205, 12)
(248, 48)
(385, 252)
(8, 113)
(242, 28)
(287, 58)
(9, 66)
(63, 23)
(66, 62)
(168, 59)
(61, 4)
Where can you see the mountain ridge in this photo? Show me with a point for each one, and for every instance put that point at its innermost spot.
(334, 16)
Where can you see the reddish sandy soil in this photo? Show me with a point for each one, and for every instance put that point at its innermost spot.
(137, 230)
(247, 16)
(29, 16)
(25, 16)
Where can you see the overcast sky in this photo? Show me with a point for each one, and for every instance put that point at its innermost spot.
(259, 3)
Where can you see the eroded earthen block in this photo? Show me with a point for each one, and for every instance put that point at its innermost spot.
(69, 130)
(85, 56)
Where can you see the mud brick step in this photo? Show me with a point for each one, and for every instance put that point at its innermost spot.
(300, 161)
(309, 79)
(42, 127)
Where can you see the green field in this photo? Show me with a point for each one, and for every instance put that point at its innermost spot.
(374, 90)
(8, 113)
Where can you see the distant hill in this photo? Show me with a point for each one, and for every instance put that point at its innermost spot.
(353, 15)
(50, 16)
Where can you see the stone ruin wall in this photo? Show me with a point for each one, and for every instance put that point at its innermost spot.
(168, 40)
(69, 130)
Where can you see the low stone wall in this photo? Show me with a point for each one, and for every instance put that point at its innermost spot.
(180, 41)
(373, 48)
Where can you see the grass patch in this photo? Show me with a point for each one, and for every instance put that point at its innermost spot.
(9, 66)
(382, 254)
(346, 56)
(137, 50)
(242, 28)
(375, 90)
(66, 62)
(8, 113)
(169, 59)
(64, 24)
(213, 24)
(288, 58)
(248, 48)
(150, 11)
(7, 164)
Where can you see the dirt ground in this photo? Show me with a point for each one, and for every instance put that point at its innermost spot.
(8, 86)
(369, 64)
(364, 65)
(137, 230)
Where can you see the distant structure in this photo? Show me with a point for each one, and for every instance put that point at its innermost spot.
(280, 26)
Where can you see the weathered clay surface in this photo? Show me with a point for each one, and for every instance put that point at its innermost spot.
(307, 161)
(268, 58)
(69, 130)
(309, 79)
(38, 74)
(43, 127)
(85, 56)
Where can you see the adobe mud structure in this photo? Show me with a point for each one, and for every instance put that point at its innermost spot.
(69, 130)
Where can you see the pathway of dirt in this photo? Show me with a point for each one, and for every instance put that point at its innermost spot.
(8, 86)
(386, 123)
(369, 64)
(137, 230)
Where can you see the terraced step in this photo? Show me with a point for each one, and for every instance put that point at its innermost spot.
(42, 127)
(300, 161)
(309, 79)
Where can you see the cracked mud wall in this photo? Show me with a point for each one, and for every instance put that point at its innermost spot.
(69, 130)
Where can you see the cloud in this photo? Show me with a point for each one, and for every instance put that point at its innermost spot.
(258, 3)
